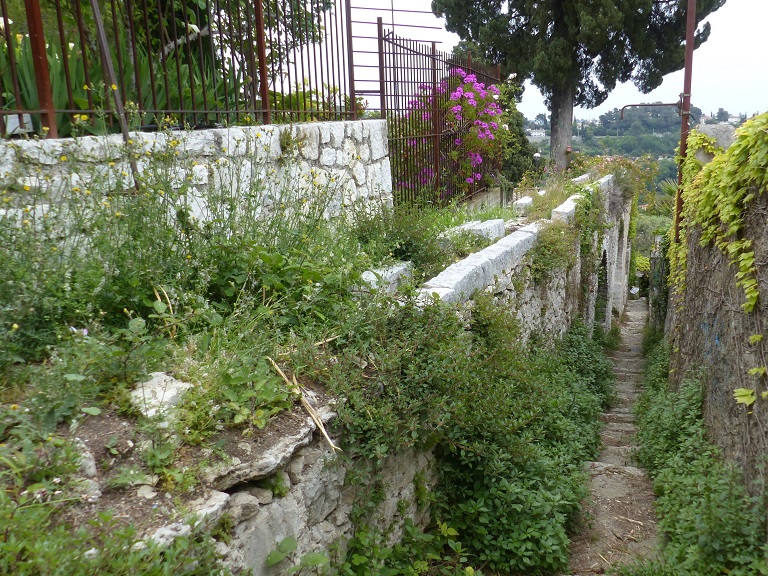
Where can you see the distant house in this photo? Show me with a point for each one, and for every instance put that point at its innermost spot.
(537, 133)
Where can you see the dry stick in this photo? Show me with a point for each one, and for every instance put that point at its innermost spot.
(630, 520)
(295, 388)
(170, 307)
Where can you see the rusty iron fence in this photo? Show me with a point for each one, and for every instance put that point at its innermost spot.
(97, 66)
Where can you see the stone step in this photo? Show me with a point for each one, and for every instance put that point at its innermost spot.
(617, 455)
(618, 417)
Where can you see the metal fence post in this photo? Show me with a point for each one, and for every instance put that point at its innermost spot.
(40, 60)
(350, 60)
(435, 120)
(382, 77)
(261, 51)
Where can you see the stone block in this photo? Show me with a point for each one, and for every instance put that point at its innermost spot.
(426, 295)
(46, 152)
(203, 142)
(337, 134)
(522, 205)
(389, 279)
(328, 157)
(566, 212)
(309, 138)
(378, 143)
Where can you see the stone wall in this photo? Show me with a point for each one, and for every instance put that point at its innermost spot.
(548, 307)
(710, 337)
(352, 156)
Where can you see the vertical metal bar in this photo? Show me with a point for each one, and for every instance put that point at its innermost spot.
(350, 60)
(12, 65)
(232, 61)
(273, 64)
(118, 54)
(152, 86)
(261, 48)
(690, 30)
(110, 72)
(435, 123)
(306, 82)
(84, 52)
(134, 56)
(317, 72)
(201, 60)
(292, 53)
(179, 84)
(219, 70)
(65, 51)
(40, 60)
(382, 83)
(164, 61)
(250, 58)
(187, 51)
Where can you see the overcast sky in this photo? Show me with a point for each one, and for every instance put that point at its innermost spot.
(730, 70)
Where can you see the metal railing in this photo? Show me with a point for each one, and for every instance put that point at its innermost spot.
(96, 66)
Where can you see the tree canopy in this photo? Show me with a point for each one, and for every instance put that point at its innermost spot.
(575, 51)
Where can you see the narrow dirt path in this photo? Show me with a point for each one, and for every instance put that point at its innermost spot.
(620, 524)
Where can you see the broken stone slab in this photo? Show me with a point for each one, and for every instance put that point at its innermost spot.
(159, 395)
(164, 535)
(490, 229)
(225, 475)
(522, 205)
(389, 278)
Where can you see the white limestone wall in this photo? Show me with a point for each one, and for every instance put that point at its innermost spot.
(352, 157)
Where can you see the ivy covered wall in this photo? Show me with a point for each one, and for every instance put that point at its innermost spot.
(719, 290)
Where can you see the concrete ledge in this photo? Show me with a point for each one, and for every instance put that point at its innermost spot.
(491, 229)
(566, 212)
(522, 205)
(482, 269)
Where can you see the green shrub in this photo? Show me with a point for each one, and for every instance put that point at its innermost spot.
(511, 425)
(709, 523)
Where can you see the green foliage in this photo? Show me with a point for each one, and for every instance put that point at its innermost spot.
(417, 553)
(33, 543)
(554, 250)
(716, 196)
(709, 523)
(511, 426)
(416, 234)
(37, 487)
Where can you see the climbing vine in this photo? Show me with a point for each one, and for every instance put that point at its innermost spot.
(715, 197)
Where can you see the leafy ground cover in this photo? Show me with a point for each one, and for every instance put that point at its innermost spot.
(709, 522)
